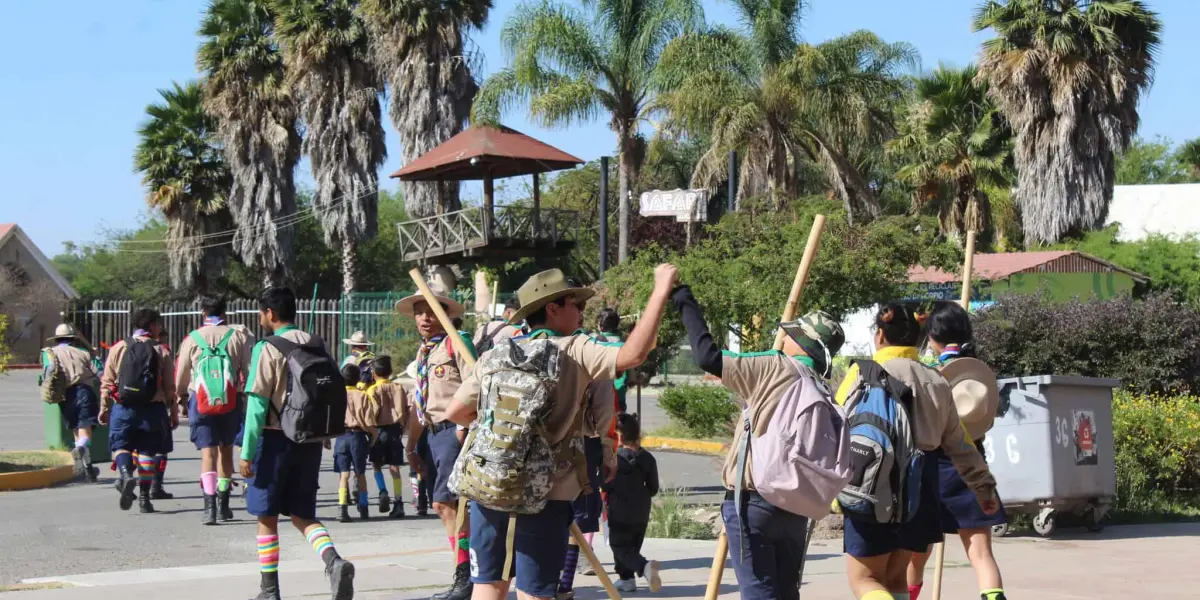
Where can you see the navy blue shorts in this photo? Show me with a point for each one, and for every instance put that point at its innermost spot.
(539, 546)
(211, 431)
(443, 449)
(80, 407)
(389, 447)
(286, 477)
(350, 452)
(143, 429)
(864, 540)
(960, 507)
(589, 506)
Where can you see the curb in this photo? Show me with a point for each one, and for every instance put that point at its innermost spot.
(681, 445)
(33, 480)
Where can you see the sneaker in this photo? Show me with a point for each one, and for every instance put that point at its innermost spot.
(626, 585)
(584, 568)
(650, 574)
(341, 579)
(570, 595)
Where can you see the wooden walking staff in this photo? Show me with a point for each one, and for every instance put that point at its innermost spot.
(789, 313)
(461, 348)
(939, 549)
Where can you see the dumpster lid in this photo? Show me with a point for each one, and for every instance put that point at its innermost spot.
(1065, 380)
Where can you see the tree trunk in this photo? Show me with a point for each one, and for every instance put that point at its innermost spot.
(623, 185)
(349, 267)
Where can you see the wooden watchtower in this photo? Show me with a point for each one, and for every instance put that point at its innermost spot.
(487, 232)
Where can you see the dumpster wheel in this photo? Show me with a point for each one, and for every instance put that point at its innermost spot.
(1000, 530)
(1045, 522)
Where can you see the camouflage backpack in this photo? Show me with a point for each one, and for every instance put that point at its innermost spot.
(507, 464)
(53, 381)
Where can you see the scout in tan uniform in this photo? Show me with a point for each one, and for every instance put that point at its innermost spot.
(767, 542)
(552, 308)
(137, 394)
(213, 434)
(351, 449)
(439, 375)
(283, 475)
(81, 404)
(389, 402)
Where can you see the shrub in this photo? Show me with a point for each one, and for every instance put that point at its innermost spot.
(706, 410)
(1157, 453)
(1151, 345)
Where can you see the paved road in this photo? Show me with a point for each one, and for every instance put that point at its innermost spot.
(77, 528)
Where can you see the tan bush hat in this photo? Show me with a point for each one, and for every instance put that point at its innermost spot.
(976, 394)
(64, 330)
(453, 309)
(358, 338)
(544, 288)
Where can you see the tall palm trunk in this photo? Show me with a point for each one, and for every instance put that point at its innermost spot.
(349, 266)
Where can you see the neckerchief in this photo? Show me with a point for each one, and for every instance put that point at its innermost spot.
(949, 353)
(422, 390)
(213, 321)
(141, 333)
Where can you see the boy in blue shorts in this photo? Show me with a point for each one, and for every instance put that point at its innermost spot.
(352, 448)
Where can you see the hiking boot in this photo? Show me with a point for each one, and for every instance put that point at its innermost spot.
(78, 455)
(93, 474)
(144, 505)
(269, 588)
(158, 493)
(461, 589)
(364, 513)
(397, 511)
(343, 514)
(385, 503)
(626, 586)
(341, 579)
(223, 511)
(210, 510)
(126, 484)
(422, 513)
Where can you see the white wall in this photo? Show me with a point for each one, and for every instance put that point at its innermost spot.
(1172, 210)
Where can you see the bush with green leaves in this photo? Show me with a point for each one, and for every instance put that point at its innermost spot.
(705, 410)
(672, 518)
(1157, 453)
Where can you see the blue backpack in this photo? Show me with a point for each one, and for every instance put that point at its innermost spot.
(886, 484)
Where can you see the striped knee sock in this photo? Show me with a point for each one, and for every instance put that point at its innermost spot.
(914, 591)
(380, 482)
(147, 466)
(463, 547)
(567, 583)
(322, 544)
(343, 496)
(993, 594)
(268, 553)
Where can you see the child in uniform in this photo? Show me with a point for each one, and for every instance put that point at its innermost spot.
(389, 403)
(629, 501)
(351, 450)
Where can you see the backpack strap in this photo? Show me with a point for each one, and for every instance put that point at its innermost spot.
(224, 339)
(201, 342)
(873, 373)
(743, 451)
(285, 347)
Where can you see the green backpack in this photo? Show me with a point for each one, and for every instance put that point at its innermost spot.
(216, 393)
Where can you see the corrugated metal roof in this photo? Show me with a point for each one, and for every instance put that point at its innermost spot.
(992, 267)
(480, 152)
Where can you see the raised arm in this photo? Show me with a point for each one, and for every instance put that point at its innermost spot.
(704, 349)
(645, 334)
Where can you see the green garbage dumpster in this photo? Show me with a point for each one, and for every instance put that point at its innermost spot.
(58, 437)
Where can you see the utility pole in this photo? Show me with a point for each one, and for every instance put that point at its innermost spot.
(603, 214)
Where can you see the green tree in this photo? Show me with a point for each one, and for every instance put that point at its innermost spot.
(1189, 154)
(327, 53)
(574, 66)
(5, 353)
(1148, 162)
(247, 90)
(1068, 74)
(420, 48)
(955, 146)
(180, 159)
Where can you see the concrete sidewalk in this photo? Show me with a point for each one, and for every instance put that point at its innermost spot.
(1156, 561)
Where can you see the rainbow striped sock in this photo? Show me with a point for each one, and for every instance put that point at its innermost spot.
(268, 553)
(321, 543)
(147, 467)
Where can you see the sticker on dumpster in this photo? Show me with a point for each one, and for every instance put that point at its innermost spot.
(1084, 430)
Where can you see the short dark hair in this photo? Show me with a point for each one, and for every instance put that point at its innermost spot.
(351, 374)
(609, 320)
(457, 322)
(382, 366)
(281, 301)
(950, 323)
(629, 427)
(143, 318)
(212, 306)
(538, 317)
(899, 324)
(512, 305)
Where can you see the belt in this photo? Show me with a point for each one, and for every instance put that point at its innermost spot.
(440, 427)
(746, 494)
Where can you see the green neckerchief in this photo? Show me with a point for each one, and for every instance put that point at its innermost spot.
(533, 335)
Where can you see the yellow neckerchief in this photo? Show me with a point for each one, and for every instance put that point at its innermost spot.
(881, 356)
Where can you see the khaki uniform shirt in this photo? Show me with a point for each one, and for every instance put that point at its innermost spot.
(584, 360)
(758, 380)
(389, 402)
(112, 372)
(189, 353)
(75, 363)
(445, 377)
(268, 373)
(358, 410)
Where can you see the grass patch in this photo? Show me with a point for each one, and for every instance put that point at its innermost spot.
(677, 430)
(13, 462)
(672, 518)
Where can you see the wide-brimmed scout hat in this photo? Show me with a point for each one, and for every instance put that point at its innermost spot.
(821, 337)
(63, 330)
(358, 338)
(412, 371)
(976, 394)
(544, 288)
(453, 308)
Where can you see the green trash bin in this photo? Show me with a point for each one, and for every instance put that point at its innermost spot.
(58, 437)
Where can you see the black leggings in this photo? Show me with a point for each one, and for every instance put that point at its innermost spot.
(626, 539)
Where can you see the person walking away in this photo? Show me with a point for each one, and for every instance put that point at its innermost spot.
(389, 405)
(351, 449)
(360, 356)
(69, 371)
(440, 372)
(489, 333)
(137, 396)
(552, 307)
(878, 553)
(976, 397)
(212, 362)
(765, 541)
(630, 496)
(283, 474)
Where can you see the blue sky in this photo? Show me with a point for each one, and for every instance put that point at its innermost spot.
(81, 72)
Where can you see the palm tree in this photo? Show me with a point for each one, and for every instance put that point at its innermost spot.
(246, 89)
(954, 146)
(573, 66)
(420, 48)
(1068, 75)
(180, 159)
(1189, 155)
(327, 54)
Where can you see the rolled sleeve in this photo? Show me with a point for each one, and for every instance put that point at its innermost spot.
(468, 392)
(597, 360)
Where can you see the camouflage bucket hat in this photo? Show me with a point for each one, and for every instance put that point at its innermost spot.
(821, 337)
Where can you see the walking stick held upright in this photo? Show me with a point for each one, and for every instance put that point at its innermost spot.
(461, 348)
(789, 313)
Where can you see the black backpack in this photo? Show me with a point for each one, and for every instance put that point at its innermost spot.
(314, 404)
(137, 380)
